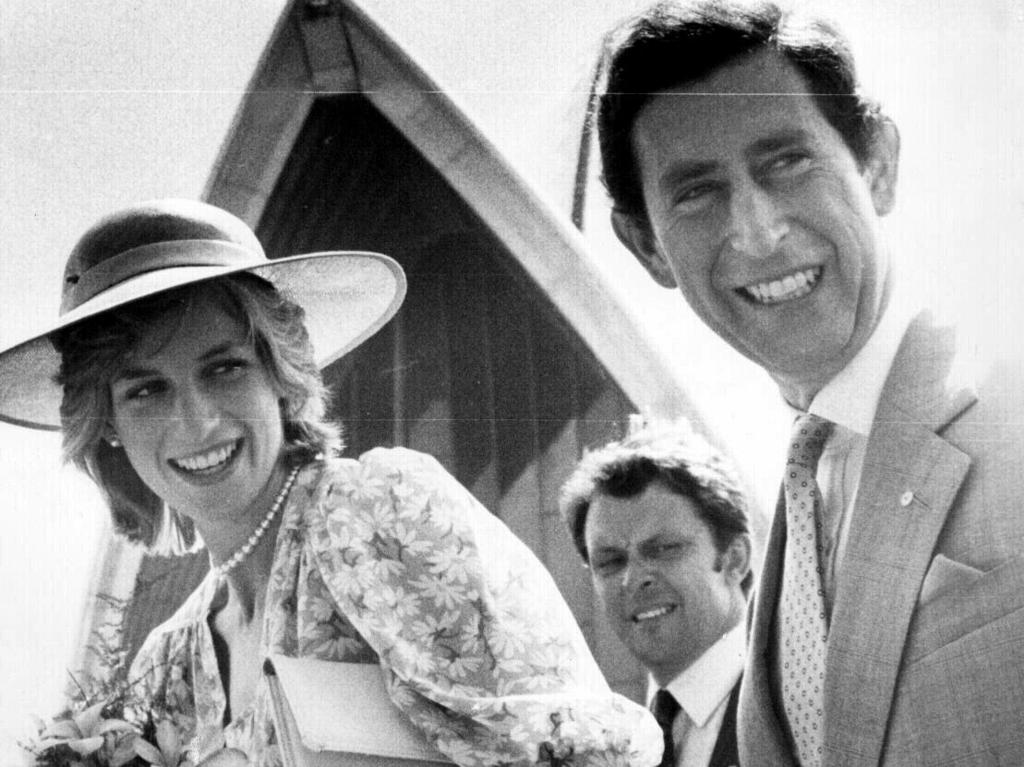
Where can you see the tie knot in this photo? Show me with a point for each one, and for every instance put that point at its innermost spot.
(664, 707)
(808, 441)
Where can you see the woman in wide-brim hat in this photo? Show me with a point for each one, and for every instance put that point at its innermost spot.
(184, 372)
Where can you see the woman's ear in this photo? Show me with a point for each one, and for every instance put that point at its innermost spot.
(634, 231)
(110, 436)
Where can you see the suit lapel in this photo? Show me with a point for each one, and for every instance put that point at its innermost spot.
(726, 753)
(909, 481)
(760, 732)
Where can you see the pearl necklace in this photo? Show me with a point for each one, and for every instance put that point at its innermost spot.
(239, 556)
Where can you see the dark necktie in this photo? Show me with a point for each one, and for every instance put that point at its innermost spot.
(665, 708)
(803, 623)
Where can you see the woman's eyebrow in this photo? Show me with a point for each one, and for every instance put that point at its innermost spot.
(134, 373)
(219, 349)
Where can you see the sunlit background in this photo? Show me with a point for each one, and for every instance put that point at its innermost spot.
(105, 102)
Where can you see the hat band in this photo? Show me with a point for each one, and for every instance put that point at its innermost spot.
(157, 255)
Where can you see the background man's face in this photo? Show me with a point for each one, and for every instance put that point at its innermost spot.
(664, 586)
(759, 213)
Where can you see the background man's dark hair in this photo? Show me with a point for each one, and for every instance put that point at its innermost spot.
(674, 44)
(669, 453)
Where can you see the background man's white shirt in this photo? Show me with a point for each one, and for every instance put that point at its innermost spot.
(702, 691)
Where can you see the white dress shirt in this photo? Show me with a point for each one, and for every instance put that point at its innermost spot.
(702, 691)
(849, 401)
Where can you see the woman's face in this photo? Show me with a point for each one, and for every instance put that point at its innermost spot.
(199, 417)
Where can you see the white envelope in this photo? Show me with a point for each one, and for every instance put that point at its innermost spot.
(331, 714)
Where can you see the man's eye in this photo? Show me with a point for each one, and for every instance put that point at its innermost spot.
(607, 565)
(667, 549)
(790, 161)
(693, 195)
(142, 391)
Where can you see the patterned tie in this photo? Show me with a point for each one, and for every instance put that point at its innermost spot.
(665, 708)
(803, 624)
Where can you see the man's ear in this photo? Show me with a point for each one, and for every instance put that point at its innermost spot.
(882, 168)
(736, 559)
(635, 233)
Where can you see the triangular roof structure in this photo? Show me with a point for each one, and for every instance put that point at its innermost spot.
(344, 141)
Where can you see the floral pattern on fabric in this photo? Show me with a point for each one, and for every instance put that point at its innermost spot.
(390, 560)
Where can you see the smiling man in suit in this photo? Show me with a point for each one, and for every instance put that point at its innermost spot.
(662, 524)
(747, 171)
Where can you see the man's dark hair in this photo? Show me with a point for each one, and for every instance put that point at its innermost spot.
(675, 44)
(668, 453)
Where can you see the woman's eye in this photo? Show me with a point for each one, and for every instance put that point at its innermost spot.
(228, 368)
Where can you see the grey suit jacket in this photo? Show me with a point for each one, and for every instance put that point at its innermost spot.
(925, 657)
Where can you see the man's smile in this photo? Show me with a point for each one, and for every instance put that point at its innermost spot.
(792, 286)
(651, 613)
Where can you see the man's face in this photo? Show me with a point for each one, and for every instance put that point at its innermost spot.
(760, 214)
(667, 592)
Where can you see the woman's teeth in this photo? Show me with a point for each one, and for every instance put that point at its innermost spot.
(791, 286)
(208, 460)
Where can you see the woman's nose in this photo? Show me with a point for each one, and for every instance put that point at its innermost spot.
(196, 409)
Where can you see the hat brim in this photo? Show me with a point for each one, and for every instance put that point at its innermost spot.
(347, 296)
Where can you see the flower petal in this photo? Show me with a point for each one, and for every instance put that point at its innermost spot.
(124, 752)
(85, 746)
(89, 719)
(228, 757)
(169, 742)
(114, 725)
(62, 728)
(148, 752)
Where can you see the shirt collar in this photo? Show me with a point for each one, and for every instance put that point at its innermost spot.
(701, 687)
(851, 398)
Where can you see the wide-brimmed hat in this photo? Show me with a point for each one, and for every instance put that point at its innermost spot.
(347, 295)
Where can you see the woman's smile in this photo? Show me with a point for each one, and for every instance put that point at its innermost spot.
(208, 462)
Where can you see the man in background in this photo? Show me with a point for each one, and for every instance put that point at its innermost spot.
(661, 522)
(747, 170)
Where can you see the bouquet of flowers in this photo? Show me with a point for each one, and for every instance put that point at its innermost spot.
(96, 736)
(102, 725)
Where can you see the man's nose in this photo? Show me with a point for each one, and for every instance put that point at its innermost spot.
(756, 223)
(637, 575)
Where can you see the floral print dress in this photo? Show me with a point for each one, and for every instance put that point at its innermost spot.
(388, 559)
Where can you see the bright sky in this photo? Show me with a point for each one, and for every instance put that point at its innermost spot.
(106, 102)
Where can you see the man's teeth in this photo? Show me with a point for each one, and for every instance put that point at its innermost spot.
(657, 612)
(789, 287)
(206, 460)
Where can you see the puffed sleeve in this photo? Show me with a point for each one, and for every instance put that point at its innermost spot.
(478, 647)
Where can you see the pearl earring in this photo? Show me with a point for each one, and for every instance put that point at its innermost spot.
(113, 441)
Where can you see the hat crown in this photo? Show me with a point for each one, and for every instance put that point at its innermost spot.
(151, 236)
